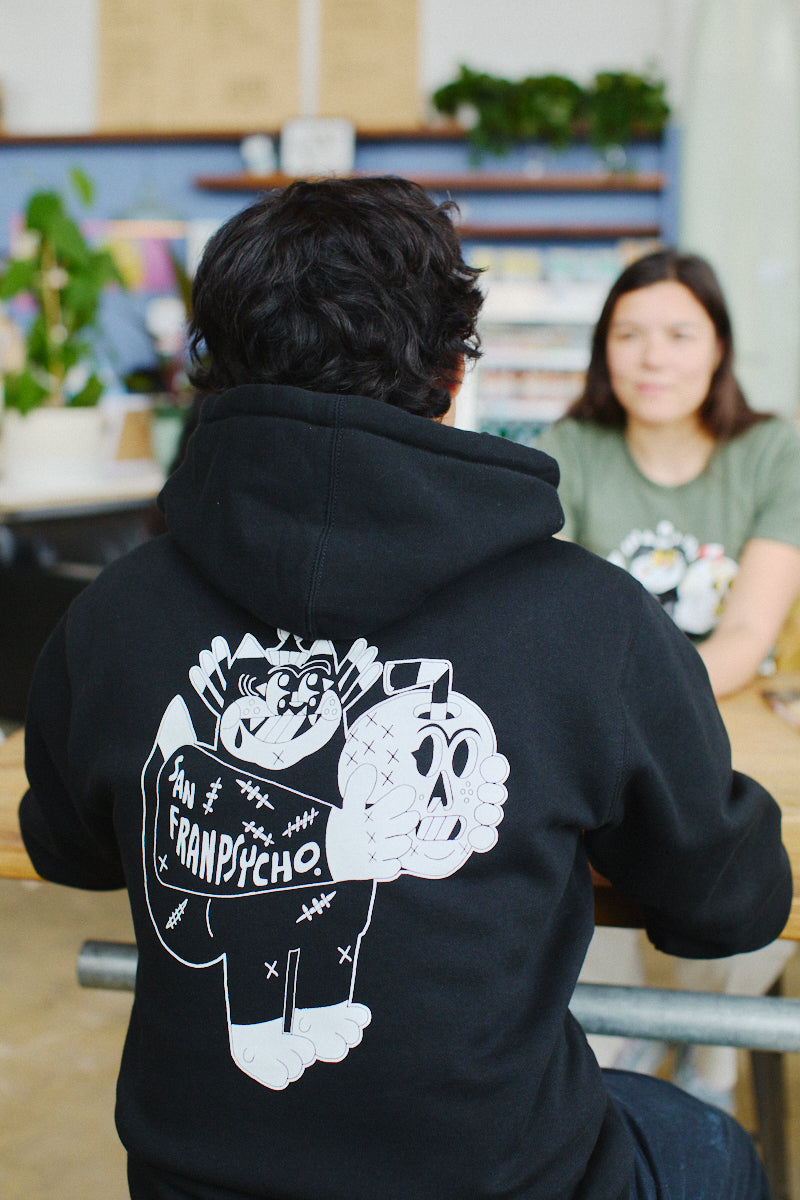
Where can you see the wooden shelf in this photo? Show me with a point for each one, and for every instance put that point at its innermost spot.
(556, 233)
(447, 132)
(444, 130)
(643, 182)
(651, 181)
(119, 137)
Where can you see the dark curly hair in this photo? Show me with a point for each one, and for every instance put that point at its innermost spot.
(350, 286)
(725, 412)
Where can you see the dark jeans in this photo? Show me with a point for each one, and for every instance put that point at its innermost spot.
(685, 1150)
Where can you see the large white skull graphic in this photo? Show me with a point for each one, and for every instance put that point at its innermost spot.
(441, 743)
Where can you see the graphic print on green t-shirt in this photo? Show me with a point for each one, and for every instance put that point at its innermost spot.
(690, 579)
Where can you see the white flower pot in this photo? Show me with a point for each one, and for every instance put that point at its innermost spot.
(53, 447)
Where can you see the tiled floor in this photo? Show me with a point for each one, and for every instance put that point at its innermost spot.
(60, 1047)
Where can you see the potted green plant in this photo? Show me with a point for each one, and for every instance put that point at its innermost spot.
(554, 110)
(53, 264)
(500, 112)
(63, 278)
(621, 105)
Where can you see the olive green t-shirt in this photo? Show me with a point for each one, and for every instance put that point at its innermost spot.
(683, 543)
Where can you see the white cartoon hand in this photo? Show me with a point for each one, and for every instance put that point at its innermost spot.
(208, 676)
(370, 841)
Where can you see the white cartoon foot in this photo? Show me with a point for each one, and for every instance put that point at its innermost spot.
(269, 1055)
(333, 1030)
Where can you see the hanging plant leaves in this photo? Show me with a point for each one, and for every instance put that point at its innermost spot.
(548, 108)
(553, 109)
(621, 104)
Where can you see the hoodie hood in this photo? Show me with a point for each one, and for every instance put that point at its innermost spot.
(334, 516)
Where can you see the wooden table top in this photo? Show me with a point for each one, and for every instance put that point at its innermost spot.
(764, 745)
(767, 747)
(14, 862)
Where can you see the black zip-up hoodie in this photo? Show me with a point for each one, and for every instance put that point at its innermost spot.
(350, 734)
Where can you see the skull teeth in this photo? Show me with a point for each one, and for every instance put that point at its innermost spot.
(439, 829)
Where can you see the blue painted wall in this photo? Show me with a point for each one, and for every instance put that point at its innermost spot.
(137, 179)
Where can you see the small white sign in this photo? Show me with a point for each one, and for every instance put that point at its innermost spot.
(317, 146)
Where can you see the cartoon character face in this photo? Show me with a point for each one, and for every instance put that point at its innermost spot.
(279, 704)
(659, 570)
(287, 714)
(690, 579)
(448, 753)
(703, 589)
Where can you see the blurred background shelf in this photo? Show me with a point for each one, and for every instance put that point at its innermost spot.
(473, 181)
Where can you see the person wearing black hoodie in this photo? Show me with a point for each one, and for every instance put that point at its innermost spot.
(351, 733)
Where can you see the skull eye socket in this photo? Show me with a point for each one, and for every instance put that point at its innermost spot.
(427, 756)
(463, 756)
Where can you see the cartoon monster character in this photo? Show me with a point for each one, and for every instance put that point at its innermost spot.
(689, 579)
(277, 883)
(703, 590)
(291, 704)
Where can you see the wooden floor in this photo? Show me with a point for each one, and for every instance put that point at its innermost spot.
(60, 1047)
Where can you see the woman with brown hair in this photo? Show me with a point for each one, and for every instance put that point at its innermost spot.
(666, 470)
